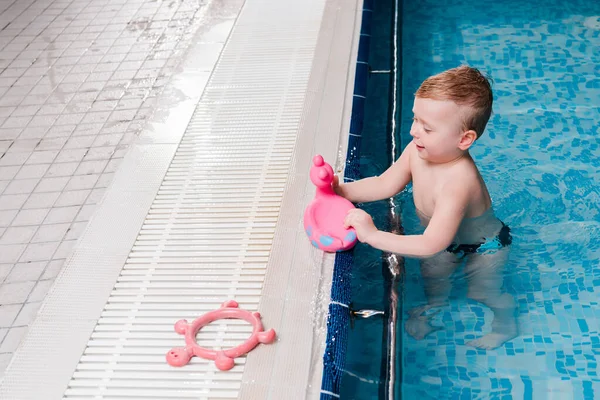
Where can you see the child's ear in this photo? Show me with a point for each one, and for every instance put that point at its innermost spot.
(467, 139)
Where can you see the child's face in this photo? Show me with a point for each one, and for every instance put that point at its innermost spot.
(437, 129)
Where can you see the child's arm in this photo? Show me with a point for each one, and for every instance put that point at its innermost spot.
(447, 216)
(384, 186)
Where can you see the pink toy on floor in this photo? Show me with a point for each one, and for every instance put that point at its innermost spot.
(224, 359)
(324, 216)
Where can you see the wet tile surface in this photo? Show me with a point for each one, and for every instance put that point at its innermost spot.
(78, 81)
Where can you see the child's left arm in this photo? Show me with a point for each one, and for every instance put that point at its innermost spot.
(448, 213)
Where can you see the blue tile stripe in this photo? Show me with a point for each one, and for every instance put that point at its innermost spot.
(338, 319)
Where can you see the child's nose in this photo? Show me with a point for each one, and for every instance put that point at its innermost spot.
(413, 131)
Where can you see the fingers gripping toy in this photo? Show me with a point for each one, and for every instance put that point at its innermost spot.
(324, 216)
(224, 359)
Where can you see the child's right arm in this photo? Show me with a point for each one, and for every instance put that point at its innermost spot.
(384, 186)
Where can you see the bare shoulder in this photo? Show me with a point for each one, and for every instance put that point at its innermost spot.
(465, 181)
(410, 153)
(409, 149)
(411, 145)
(467, 169)
(461, 178)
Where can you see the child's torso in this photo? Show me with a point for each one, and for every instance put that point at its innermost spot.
(472, 230)
(428, 180)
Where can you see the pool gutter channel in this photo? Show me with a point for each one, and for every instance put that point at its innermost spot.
(340, 316)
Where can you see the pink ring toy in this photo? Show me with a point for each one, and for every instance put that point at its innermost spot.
(324, 216)
(224, 359)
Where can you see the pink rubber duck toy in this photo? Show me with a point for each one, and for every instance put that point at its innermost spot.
(324, 216)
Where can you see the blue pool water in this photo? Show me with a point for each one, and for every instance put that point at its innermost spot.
(540, 159)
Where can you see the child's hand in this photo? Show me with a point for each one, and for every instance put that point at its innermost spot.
(361, 222)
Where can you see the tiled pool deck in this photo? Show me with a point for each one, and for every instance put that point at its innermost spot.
(78, 81)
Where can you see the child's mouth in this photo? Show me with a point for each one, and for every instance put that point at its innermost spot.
(419, 147)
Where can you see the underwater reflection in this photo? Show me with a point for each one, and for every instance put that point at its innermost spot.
(480, 277)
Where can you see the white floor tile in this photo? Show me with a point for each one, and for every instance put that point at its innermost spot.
(40, 291)
(41, 200)
(72, 198)
(7, 173)
(39, 251)
(34, 171)
(51, 184)
(62, 169)
(8, 313)
(30, 217)
(18, 235)
(12, 201)
(7, 216)
(61, 215)
(5, 270)
(13, 339)
(15, 293)
(10, 253)
(27, 314)
(4, 361)
(27, 272)
(50, 233)
(53, 269)
(21, 186)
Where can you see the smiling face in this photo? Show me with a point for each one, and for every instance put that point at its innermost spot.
(438, 130)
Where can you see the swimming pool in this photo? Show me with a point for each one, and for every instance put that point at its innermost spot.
(540, 159)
